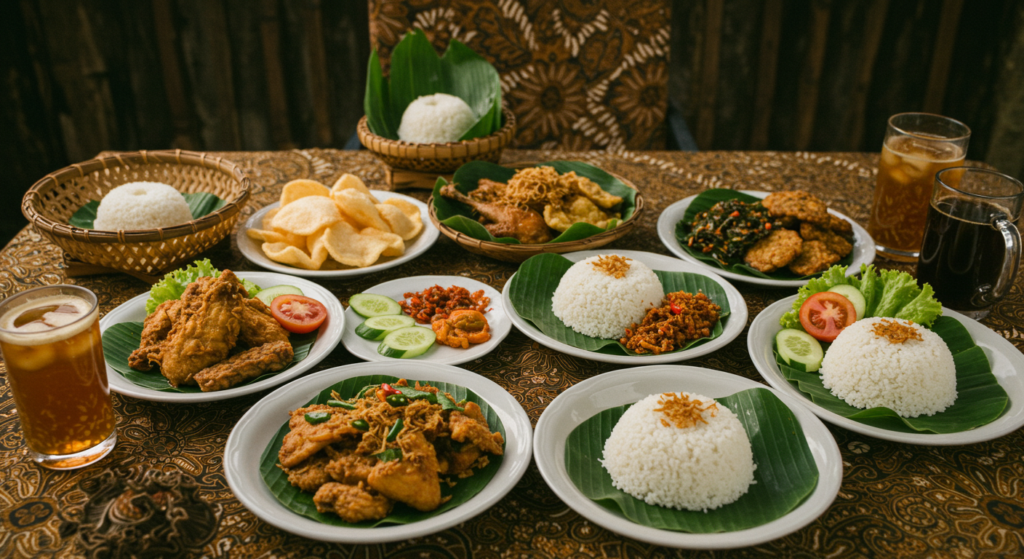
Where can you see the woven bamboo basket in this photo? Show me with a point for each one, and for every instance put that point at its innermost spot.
(51, 202)
(521, 252)
(438, 158)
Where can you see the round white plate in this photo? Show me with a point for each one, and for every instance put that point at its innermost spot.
(863, 244)
(252, 249)
(734, 325)
(134, 310)
(496, 317)
(1007, 365)
(260, 424)
(617, 388)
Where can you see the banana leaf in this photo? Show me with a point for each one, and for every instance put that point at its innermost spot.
(979, 401)
(785, 476)
(120, 340)
(702, 203)
(416, 70)
(462, 218)
(302, 503)
(534, 285)
(199, 203)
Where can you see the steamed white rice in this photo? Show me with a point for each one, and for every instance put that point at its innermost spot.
(917, 377)
(436, 119)
(702, 467)
(141, 205)
(601, 306)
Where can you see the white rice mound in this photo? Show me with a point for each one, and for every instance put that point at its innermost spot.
(601, 306)
(699, 468)
(436, 119)
(913, 378)
(141, 205)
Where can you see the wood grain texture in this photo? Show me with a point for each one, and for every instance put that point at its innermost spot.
(771, 29)
(810, 77)
(709, 74)
(942, 54)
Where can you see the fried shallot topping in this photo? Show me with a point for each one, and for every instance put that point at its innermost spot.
(896, 332)
(683, 412)
(612, 265)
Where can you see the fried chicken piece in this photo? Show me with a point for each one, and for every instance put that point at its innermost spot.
(839, 225)
(471, 426)
(834, 242)
(249, 364)
(577, 209)
(348, 467)
(412, 480)
(154, 331)
(309, 475)
(799, 204)
(206, 329)
(305, 439)
(461, 460)
(353, 503)
(525, 225)
(258, 326)
(814, 257)
(774, 251)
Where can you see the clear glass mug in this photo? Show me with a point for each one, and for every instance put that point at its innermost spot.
(916, 146)
(53, 352)
(972, 246)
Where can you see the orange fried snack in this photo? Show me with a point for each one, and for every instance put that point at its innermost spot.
(774, 251)
(834, 242)
(814, 257)
(799, 204)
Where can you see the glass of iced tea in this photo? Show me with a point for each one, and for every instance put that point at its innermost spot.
(972, 247)
(916, 146)
(50, 339)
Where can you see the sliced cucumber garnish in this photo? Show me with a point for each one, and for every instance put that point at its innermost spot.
(269, 294)
(405, 343)
(855, 297)
(378, 327)
(799, 349)
(369, 305)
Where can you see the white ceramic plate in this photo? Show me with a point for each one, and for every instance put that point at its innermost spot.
(260, 424)
(497, 318)
(134, 310)
(863, 244)
(252, 249)
(617, 388)
(734, 325)
(1007, 365)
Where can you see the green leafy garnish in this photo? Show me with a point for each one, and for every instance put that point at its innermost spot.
(413, 394)
(389, 455)
(174, 283)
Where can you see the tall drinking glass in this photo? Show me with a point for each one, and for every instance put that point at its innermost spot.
(972, 247)
(50, 340)
(916, 146)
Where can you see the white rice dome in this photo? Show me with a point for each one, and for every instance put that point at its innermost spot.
(702, 467)
(601, 306)
(436, 119)
(913, 378)
(141, 205)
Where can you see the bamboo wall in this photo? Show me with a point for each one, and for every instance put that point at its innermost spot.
(81, 76)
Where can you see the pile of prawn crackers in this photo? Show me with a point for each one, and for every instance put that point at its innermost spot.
(316, 226)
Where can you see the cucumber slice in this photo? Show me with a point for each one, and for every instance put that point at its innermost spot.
(369, 305)
(378, 327)
(799, 349)
(269, 294)
(855, 297)
(405, 343)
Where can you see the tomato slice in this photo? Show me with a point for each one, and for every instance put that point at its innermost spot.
(298, 314)
(825, 314)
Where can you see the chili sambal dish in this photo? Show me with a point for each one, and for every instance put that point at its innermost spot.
(391, 443)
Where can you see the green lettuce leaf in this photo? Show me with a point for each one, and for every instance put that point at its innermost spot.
(898, 289)
(174, 283)
(836, 275)
(923, 309)
(869, 288)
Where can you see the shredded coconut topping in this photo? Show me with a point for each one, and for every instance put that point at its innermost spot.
(896, 332)
(612, 265)
(682, 411)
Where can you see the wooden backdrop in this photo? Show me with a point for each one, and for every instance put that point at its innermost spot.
(81, 76)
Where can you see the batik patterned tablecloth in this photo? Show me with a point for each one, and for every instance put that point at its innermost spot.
(896, 499)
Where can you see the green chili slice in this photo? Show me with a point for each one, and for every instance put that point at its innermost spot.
(340, 404)
(361, 424)
(397, 400)
(315, 417)
(395, 430)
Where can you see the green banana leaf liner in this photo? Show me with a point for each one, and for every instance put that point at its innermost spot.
(302, 503)
(199, 203)
(704, 202)
(785, 476)
(534, 285)
(979, 400)
(417, 70)
(460, 217)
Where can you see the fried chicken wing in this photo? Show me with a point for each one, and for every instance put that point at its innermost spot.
(834, 242)
(412, 480)
(774, 251)
(799, 204)
(154, 331)
(258, 326)
(305, 439)
(525, 225)
(249, 364)
(471, 427)
(814, 257)
(309, 475)
(352, 503)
